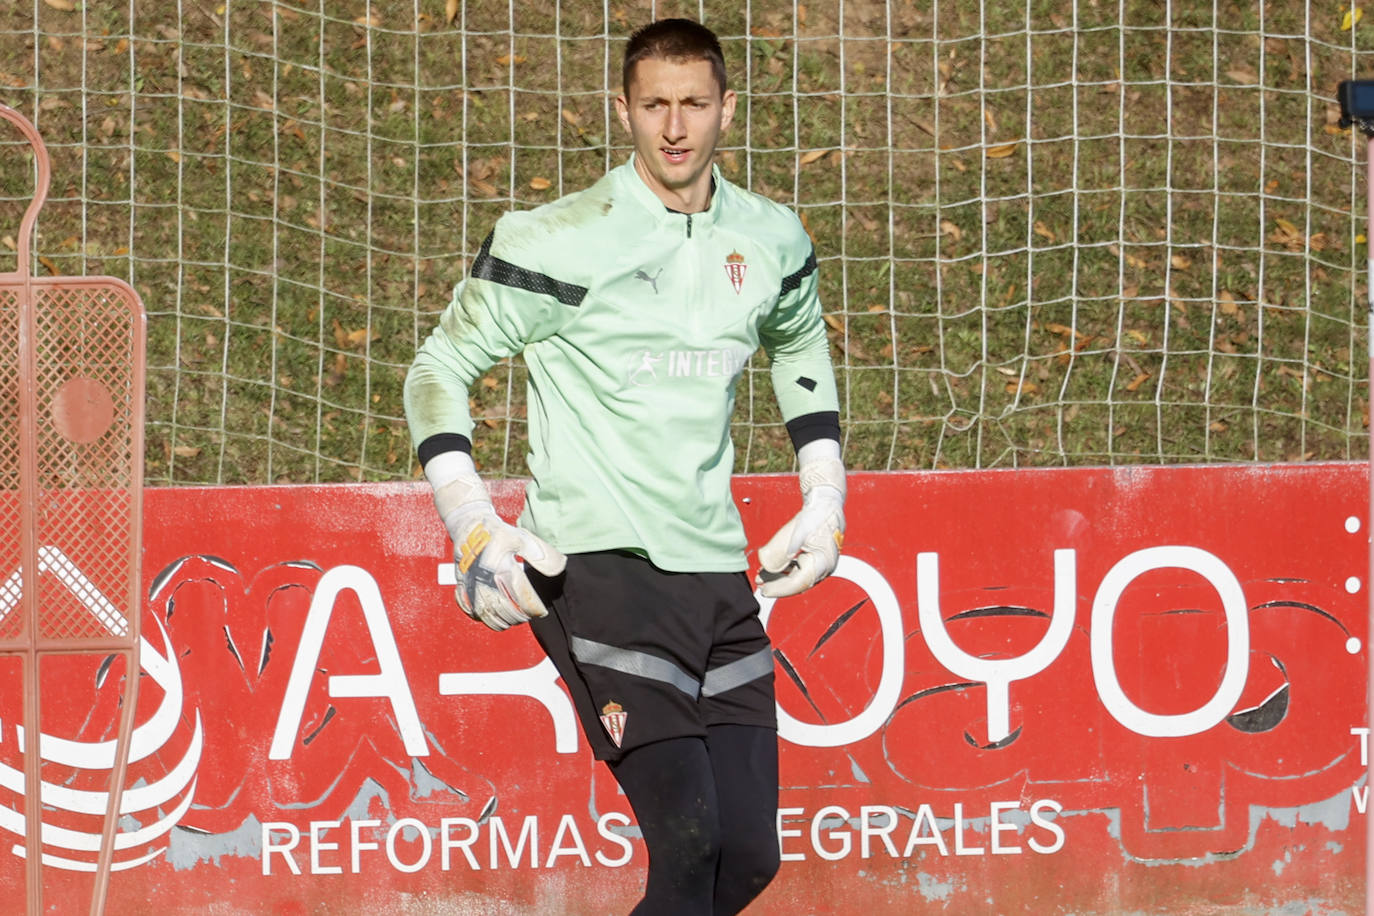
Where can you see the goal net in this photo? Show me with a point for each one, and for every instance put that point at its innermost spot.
(1049, 233)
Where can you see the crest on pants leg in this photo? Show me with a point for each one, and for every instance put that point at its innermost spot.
(613, 717)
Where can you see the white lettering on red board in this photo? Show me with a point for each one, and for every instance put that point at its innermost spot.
(833, 832)
(539, 681)
(456, 842)
(1360, 794)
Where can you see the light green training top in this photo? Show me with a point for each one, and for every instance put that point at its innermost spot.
(636, 322)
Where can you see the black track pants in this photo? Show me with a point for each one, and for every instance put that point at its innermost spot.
(708, 812)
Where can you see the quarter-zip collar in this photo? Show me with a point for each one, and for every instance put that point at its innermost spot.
(694, 223)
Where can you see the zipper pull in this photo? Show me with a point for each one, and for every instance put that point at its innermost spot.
(689, 225)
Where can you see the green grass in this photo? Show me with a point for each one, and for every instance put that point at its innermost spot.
(1133, 242)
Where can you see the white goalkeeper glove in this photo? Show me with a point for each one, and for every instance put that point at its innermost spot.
(487, 552)
(807, 548)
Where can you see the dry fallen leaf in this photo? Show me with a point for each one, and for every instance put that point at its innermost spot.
(65, 6)
(336, 375)
(186, 451)
(1136, 382)
(1180, 262)
(540, 184)
(949, 228)
(1003, 151)
(1287, 235)
(1351, 17)
(809, 157)
(1130, 258)
(1043, 231)
(833, 322)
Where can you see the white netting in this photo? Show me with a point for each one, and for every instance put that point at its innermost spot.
(1049, 233)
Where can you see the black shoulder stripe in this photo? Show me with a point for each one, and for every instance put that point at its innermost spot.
(489, 267)
(793, 280)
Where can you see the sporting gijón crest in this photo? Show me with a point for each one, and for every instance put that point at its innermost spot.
(735, 268)
(613, 717)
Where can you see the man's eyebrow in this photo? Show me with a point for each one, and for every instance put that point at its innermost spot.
(690, 97)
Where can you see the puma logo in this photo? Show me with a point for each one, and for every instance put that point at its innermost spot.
(652, 281)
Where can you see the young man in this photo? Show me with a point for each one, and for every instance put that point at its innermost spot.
(637, 304)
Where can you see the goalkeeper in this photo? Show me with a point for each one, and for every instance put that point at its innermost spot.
(637, 303)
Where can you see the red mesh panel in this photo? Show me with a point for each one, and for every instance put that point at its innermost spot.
(86, 418)
(12, 623)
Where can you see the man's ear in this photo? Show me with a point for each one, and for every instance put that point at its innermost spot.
(622, 108)
(727, 109)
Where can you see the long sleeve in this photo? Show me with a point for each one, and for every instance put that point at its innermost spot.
(795, 340)
(495, 312)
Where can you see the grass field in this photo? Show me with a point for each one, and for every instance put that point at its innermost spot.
(1049, 233)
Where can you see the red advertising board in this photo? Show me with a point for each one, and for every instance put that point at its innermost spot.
(1051, 691)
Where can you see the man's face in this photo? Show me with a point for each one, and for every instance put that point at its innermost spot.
(675, 113)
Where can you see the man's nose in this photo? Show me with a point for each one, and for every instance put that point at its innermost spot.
(674, 129)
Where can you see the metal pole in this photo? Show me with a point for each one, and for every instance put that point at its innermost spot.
(28, 487)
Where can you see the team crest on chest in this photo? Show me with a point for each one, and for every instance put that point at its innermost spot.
(735, 268)
(613, 716)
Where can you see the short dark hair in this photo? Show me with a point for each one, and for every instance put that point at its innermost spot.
(677, 40)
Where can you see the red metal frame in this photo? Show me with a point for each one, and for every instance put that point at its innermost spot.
(75, 353)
